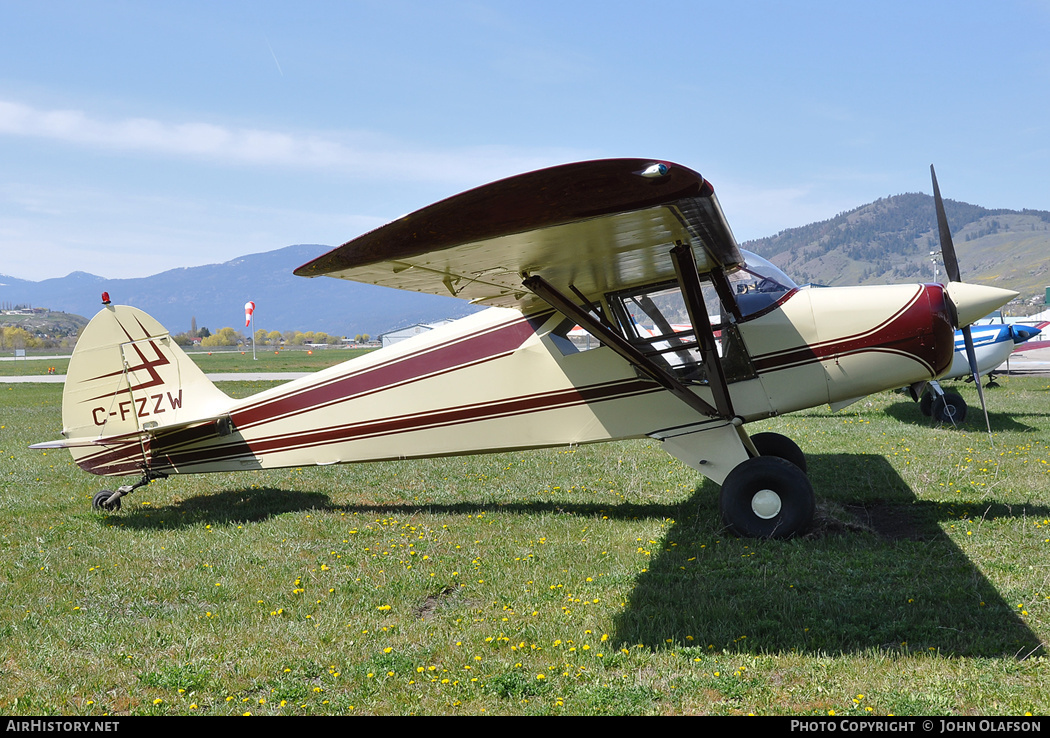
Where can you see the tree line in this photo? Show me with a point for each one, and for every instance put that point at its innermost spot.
(232, 337)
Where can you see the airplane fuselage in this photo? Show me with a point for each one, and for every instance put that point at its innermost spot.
(500, 380)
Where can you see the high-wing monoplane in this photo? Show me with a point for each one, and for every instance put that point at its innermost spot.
(688, 339)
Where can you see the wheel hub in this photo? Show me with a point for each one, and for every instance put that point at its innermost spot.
(766, 504)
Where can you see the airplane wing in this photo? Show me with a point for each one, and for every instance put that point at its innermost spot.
(596, 226)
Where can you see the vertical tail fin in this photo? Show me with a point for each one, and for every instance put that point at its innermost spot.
(127, 377)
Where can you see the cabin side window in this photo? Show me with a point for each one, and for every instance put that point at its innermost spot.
(656, 320)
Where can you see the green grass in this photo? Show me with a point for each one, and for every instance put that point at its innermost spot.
(269, 360)
(591, 580)
(214, 362)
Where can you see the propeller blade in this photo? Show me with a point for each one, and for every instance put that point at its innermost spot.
(971, 357)
(951, 268)
(951, 263)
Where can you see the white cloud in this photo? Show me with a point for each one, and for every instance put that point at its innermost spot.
(351, 154)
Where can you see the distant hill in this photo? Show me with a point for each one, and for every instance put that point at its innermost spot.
(215, 295)
(55, 325)
(889, 242)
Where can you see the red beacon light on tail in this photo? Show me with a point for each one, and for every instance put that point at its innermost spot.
(105, 298)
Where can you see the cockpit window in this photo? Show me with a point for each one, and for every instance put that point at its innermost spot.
(759, 284)
(656, 319)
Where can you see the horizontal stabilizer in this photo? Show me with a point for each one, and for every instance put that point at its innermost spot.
(221, 423)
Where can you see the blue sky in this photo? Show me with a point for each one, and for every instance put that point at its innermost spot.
(141, 136)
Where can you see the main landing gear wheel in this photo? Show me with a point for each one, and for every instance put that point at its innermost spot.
(767, 497)
(949, 408)
(98, 502)
(774, 444)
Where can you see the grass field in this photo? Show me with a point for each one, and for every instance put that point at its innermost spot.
(590, 580)
(216, 362)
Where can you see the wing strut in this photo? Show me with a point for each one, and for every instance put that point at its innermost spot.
(542, 289)
(689, 279)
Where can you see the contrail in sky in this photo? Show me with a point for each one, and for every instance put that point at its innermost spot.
(273, 55)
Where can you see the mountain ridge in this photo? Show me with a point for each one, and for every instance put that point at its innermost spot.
(891, 240)
(214, 295)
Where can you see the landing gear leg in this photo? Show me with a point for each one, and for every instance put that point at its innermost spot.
(107, 501)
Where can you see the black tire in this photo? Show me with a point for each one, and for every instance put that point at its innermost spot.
(100, 497)
(949, 408)
(774, 444)
(767, 497)
(926, 404)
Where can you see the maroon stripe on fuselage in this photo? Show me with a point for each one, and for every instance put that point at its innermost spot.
(446, 417)
(125, 458)
(917, 330)
(498, 341)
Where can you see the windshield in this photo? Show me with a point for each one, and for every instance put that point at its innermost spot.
(759, 284)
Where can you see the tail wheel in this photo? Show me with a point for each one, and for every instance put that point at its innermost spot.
(774, 444)
(98, 502)
(767, 497)
(949, 408)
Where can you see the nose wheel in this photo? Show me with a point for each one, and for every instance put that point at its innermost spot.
(767, 497)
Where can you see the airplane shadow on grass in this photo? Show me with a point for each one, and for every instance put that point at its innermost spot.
(908, 412)
(876, 573)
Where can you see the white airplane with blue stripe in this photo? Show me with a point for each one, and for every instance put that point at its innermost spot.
(992, 345)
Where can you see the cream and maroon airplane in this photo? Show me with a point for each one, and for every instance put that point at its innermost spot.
(687, 339)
